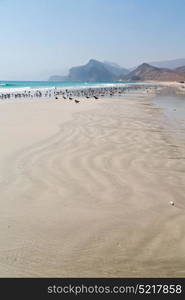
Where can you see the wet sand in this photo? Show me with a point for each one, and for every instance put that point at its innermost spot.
(85, 190)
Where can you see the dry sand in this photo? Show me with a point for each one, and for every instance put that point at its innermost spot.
(85, 190)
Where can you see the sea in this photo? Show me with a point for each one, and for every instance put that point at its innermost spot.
(6, 86)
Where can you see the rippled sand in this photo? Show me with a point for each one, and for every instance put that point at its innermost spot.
(85, 190)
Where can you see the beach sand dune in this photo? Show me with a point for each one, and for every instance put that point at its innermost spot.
(90, 197)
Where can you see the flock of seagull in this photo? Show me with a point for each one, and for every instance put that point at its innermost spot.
(70, 94)
(93, 93)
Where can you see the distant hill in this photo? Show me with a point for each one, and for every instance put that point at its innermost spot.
(93, 71)
(148, 72)
(98, 71)
(115, 68)
(180, 70)
(169, 64)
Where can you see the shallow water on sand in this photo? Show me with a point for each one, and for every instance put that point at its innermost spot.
(173, 107)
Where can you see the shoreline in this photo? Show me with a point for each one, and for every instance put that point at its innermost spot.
(26, 93)
(95, 178)
(101, 90)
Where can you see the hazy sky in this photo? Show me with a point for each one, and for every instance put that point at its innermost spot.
(39, 38)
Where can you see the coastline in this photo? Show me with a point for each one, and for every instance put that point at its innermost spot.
(85, 190)
(75, 89)
(48, 92)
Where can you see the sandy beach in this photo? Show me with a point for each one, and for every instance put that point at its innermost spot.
(86, 190)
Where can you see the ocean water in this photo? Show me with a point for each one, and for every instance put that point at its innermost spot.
(25, 90)
(9, 89)
(6, 86)
(50, 84)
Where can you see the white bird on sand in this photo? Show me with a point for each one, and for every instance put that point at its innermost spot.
(172, 203)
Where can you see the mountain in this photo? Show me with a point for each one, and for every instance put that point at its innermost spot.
(148, 72)
(115, 68)
(98, 71)
(180, 70)
(93, 71)
(169, 64)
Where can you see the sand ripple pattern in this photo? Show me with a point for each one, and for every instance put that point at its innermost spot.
(93, 200)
